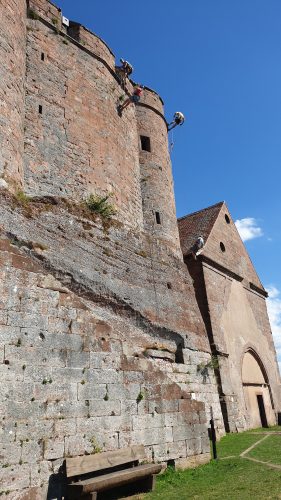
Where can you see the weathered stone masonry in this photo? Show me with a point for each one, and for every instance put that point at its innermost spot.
(103, 339)
(74, 383)
(12, 79)
(232, 302)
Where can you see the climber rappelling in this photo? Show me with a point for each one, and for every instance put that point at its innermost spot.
(124, 71)
(133, 98)
(178, 120)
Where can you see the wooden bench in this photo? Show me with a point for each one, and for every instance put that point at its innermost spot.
(90, 474)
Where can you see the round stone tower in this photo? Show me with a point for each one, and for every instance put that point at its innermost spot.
(158, 201)
(12, 76)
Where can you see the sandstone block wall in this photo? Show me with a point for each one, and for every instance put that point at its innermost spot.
(239, 319)
(102, 342)
(12, 79)
(236, 327)
(46, 10)
(78, 145)
(156, 174)
(75, 141)
(79, 378)
(116, 265)
(92, 42)
(231, 300)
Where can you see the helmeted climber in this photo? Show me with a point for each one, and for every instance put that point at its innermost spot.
(134, 98)
(178, 120)
(124, 71)
(126, 67)
(198, 245)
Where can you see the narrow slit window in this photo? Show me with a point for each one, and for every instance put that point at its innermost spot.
(42, 56)
(40, 109)
(145, 143)
(157, 217)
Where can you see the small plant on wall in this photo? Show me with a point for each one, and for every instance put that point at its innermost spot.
(140, 396)
(95, 447)
(22, 197)
(203, 368)
(32, 14)
(100, 205)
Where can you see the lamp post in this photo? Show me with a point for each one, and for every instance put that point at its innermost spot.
(213, 435)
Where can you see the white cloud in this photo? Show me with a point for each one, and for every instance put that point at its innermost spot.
(274, 313)
(248, 228)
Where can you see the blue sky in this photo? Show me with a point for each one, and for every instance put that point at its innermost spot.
(217, 61)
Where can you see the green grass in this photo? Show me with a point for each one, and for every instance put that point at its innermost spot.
(230, 478)
(234, 444)
(268, 451)
(233, 479)
(22, 197)
(267, 429)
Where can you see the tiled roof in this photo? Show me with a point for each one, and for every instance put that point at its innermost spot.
(197, 224)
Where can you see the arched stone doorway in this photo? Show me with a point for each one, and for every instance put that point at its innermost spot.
(257, 392)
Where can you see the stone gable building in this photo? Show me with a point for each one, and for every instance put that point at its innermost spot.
(111, 334)
(231, 300)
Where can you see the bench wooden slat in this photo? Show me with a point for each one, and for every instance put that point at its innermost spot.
(118, 478)
(91, 463)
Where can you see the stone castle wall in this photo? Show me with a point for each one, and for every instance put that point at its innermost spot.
(79, 377)
(236, 327)
(156, 178)
(77, 143)
(103, 341)
(239, 320)
(98, 348)
(91, 334)
(12, 79)
(232, 302)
